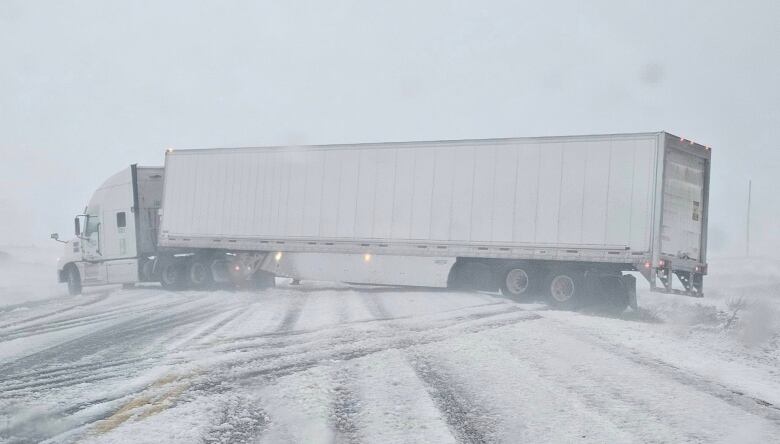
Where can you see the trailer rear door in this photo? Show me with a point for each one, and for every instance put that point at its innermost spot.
(683, 203)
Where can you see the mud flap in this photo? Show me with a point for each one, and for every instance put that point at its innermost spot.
(629, 283)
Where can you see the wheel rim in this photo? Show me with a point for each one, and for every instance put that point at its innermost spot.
(562, 288)
(517, 281)
(198, 273)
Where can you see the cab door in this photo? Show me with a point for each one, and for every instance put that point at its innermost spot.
(122, 266)
(92, 245)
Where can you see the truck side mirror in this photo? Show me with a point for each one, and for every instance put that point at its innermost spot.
(77, 226)
(56, 237)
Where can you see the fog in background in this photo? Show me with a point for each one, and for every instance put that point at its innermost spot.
(89, 87)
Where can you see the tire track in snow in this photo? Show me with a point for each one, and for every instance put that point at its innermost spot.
(126, 365)
(216, 327)
(96, 371)
(283, 338)
(468, 421)
(350, 348)
(280, 345)
(58, 371)
(619, 390)
(279, 363)
(64, 324)
(344, 407)
(293, 313)
(721, 391)
(137, 322)
(121, 338)
(375, 306)
(342, 311)
(241, 420)
(6, 309)
(299, 356)
(99, 297)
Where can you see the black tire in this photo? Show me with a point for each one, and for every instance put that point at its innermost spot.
(199, 275)
(73, 279)
(172, 275)
(518, 281)
(566, 289)
(472, 276)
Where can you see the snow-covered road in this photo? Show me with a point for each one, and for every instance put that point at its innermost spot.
(318, 363)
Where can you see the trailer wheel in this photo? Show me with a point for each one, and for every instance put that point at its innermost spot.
(172, 275)
(516, 282)
(566, 289)
(199, 275)
(74, 280)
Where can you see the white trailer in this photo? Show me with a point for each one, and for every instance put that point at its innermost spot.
(553, 215)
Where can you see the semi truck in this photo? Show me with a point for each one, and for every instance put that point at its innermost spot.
(572, 219)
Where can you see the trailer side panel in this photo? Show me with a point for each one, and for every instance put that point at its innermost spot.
(593, 192)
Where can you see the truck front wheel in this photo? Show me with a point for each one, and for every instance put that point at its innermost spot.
(74, 280)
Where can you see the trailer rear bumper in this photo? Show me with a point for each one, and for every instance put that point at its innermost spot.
(684, 278)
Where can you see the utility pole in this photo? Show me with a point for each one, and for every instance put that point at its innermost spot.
(747, 225)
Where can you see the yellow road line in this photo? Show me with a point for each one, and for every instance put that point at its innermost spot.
(148, 403)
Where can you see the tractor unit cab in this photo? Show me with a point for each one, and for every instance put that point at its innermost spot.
(116, 235)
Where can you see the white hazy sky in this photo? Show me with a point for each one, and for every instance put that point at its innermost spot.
(89, 87)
